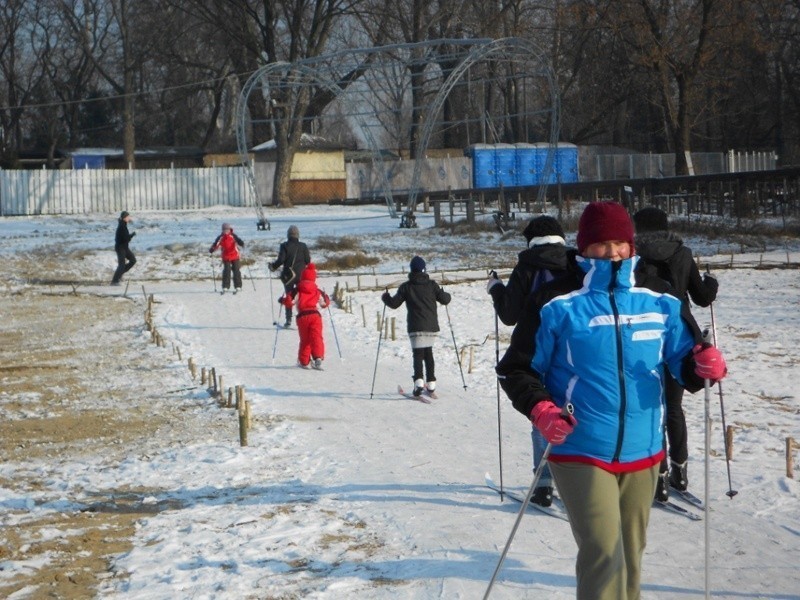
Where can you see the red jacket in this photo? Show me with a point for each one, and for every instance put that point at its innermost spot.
(228, 242)
(308, 297)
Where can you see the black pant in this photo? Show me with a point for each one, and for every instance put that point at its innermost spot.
(676, 423)
(424, 355)
(123, 254)
(227, 267)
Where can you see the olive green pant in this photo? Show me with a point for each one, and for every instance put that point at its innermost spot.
(608, 513)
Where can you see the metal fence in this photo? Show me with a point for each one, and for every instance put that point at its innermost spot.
(107, 191)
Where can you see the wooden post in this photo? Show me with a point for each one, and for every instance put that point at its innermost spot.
(247, 414)
(238, 395)
(242, 426)
(212, 383)
(220, 387)
(358, 280)
(789, 458)
(192, 368)
(378, 317)
(729, 442)
(177, 348)
(386, 328)
(393, 331)
(203, 376)
(363, 315)
(229, 403)
(471, 358)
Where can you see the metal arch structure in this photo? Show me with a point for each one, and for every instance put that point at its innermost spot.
(357, 104)
(506, 49)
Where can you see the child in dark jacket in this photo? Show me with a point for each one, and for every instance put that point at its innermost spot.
(228, 242)
(308, 298)
(674, 263)
(420, 294)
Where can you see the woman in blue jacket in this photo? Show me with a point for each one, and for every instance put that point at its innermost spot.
(604, 335)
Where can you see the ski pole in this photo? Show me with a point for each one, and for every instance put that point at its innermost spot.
(271, 299)
(497, 383)
(214, 274)
(333, 327)
(567, 410)
(455, 346)
(377, 354)
(707, 492)
(277, 331)
(731, 492)
(250, 275)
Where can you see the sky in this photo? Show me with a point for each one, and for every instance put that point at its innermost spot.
(347, 489)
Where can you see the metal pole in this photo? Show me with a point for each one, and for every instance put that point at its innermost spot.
(271, 299)
(333, 327)
(214, 274)
(731, 492)
(380, 337)
(497, 383)
(455, 346)
(567, 410)
(707, 532)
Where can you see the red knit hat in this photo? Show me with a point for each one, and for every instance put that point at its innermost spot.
(604, 222)
(309, 273)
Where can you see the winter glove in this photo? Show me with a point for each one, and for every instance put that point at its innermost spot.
(133, 235)
(211, 250)
(287, 301)
(386, 296)
(709, 362)
(492, 281)
(711, 283)
(324, 300)
(550, 420)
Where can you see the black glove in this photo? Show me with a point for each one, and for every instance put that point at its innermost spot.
(211, 250)
(711, 283)
(133, 235)
(386, 296)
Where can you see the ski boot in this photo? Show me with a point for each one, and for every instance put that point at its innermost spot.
(678, 477)
(543, 496)
(419, 387)
(662, 487)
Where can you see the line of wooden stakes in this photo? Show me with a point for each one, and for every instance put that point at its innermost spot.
(235, 396)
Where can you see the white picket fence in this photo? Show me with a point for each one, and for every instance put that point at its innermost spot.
(57, 192)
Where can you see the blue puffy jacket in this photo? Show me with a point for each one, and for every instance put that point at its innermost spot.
(603, 348)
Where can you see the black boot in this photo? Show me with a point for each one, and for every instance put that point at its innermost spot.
(662, 487)
(543, 496)
(678, 477)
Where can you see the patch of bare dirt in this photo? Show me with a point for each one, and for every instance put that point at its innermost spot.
(66, 366)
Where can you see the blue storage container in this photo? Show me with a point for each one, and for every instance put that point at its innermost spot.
(527, 168)
(505, 161)
(483, 168)
(567, 162)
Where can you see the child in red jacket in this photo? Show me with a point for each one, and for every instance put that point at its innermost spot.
(228, 241)
(309, 298)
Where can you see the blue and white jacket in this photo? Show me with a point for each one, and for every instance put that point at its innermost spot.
(603, 347)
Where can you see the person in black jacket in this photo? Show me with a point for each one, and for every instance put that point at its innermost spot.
(293, 256)
(545, 259)
(420, 294)
(121, 241)
(673, 262)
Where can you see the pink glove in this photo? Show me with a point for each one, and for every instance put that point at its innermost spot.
(709, 362)
(550, 420)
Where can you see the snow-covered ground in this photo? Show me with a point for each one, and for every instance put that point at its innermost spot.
(351, 491)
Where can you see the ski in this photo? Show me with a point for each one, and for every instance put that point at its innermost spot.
(405, 394)
(679, 510)
(688, 497)
(552, 510)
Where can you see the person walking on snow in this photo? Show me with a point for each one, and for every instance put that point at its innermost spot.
(603, 336)
(230, 243)
(293, 256)
(308, 298)
(121, 241)
(420, 294)
(544, 260)
(674, 263)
